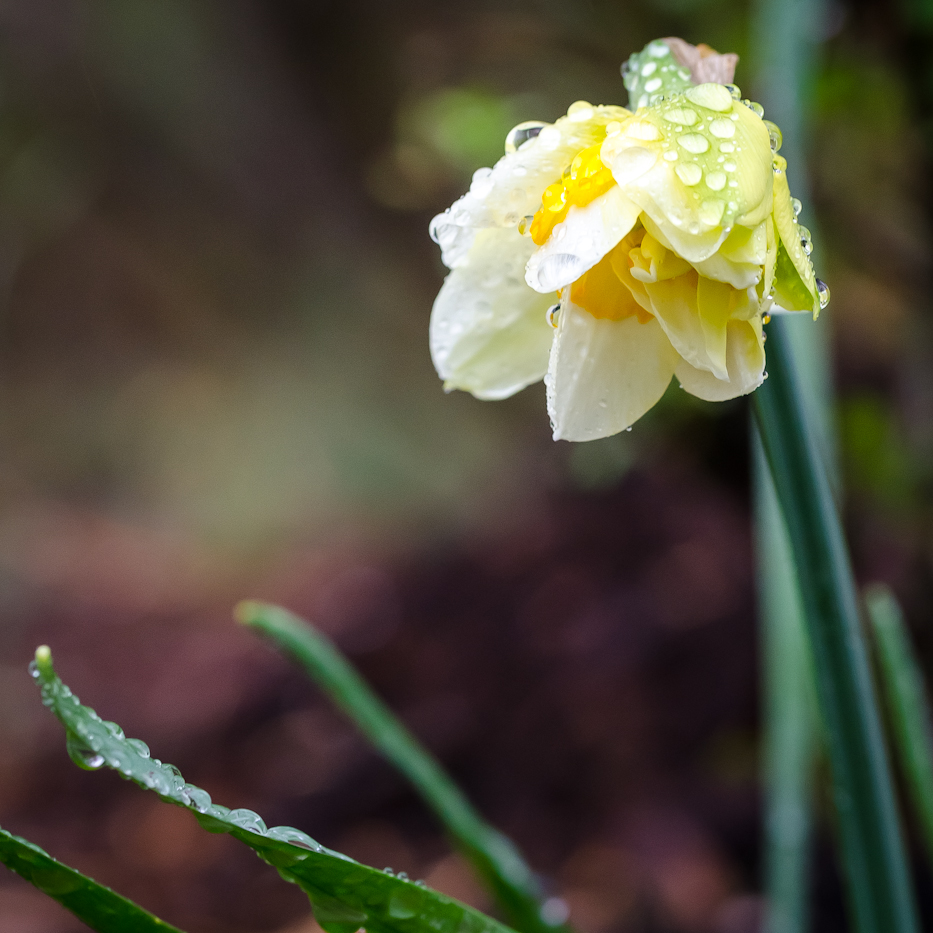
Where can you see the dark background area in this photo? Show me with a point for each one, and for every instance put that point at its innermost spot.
(215, 283)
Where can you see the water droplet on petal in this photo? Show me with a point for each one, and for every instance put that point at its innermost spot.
(683, 116)
(755, 108)
(711, 211)
(670, 155)
(716, 181)
(82, 754)
(653, 84)
(648, 69)
(733, 91)
(710, 96)
(580, 111)
(519, 135)
(805, 239)
(694, 142)
(774, 133)
(797, 206)
(722, 128)
(632, 163)
(553, 315)
(247, 819)
(689, 173)
(823, 290)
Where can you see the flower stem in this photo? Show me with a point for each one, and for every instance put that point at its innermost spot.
(871, 845)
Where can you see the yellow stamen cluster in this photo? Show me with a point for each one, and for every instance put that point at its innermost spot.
(585, 179)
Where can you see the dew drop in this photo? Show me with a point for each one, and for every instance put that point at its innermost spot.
(805, 239)
(694, 142)
(524, 225)
(716, 181)
(689, 173)
(643, 130)
(247, 819)
(823, 290)
(775, 135)
(729, 166)
(757, 109)
(797, 206)
(198, 798)
(632, 163)
(711, 211)
(652, 85)
(580, 111)
(711, 96)
(402, 876)
(659, 50)
(683, 116)
(734, 91)
(553, 315)
(519, 135)
(388, 871)
(722, 128)
(648, 69)
(670, 155)
(726, 147)
(294, 836)
(33, 670)
(81, 754)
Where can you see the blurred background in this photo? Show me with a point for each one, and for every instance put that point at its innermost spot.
(215, 284)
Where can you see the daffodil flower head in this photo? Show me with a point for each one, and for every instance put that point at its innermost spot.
(613, 250)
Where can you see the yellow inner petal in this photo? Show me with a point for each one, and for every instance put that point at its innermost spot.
(585, 179)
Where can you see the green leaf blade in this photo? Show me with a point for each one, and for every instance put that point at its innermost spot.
(343, 892)
(908, 706)
(100, 908)
(496, 859)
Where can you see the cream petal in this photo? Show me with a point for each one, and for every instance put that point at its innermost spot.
(794, 279)
(604, 375)
(674, 304)
(512, 188)
(581, 240)
(489, 333)
(745, 357)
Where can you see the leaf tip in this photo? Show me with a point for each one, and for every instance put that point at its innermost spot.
(44, 656)
(247, 611)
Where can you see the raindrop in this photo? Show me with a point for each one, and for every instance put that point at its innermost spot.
(648, 69)
(716, 181)
(734, 91)
(670, 155)
(139, 746)
(198, 798)
(755, 108)
(33, 670)
(711, 211)
(247, 819)
(823, 290)
(421, 883)
(402, 876)
(654, 84)
(681, 115)
(722, 128)
(689, 173)
(580, 111)
(294, 836)
(519, 135)
(553, 315)
(710, 96)
(797, 206)
(524, 225)
(81, 754)
(805, 239)
(387, 870)
(694, 142)
(774, 132)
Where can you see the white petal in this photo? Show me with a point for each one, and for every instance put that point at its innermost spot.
(745, 358)
(604, 375)
(581, 240)
(489, 332)
(512, 189)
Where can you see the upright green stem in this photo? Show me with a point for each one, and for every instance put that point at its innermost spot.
(783, 53)
(496, 859)
(871, 844)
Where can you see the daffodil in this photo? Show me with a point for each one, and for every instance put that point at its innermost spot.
(613, 250)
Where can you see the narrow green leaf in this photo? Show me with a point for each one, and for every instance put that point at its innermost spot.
(494, 856)
(907, 702)
(871, 844)
(345, 895)
(99, 907)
